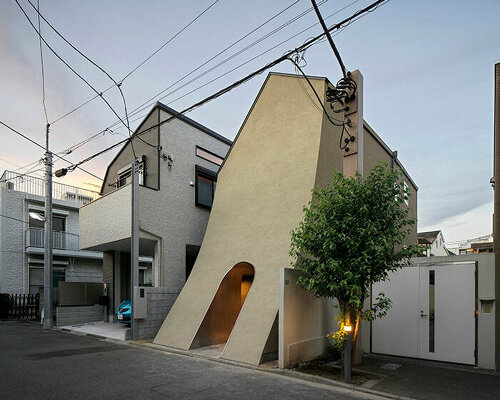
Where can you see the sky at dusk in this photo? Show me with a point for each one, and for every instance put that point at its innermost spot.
(427, 67)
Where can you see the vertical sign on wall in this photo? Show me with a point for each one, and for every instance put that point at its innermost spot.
(353, 154)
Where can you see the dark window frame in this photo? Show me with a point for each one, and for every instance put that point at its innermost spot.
(209, 152)
(207, 174)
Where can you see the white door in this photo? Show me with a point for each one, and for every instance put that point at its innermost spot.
(432, 314)
(447, 313)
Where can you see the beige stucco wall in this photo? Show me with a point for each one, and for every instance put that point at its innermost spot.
(261, 190)
(304, 321)
(285, 148)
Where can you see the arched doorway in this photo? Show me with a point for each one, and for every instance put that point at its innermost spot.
(225, 307)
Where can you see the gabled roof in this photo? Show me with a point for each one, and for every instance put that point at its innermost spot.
(431, 236)
(180, 117)
(192, 122)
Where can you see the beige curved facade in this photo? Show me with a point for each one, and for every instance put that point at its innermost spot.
(284, 149)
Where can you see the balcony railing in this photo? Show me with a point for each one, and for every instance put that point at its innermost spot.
(60, 240)
(36, 186)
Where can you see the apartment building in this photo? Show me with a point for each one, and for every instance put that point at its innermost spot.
(22, 235)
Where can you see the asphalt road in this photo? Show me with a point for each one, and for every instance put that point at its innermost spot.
(37, 364)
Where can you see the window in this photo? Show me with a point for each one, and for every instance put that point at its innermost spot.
(205, 186)
(125, 175)
(406, 191)
(37, 221)
(209, 156)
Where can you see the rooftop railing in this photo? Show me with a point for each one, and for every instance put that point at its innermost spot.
(36, 186)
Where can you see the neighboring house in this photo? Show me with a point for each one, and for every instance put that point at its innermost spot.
(435, 242)
(22, 235)
(178, 173)
(285, 148)
(479, 245)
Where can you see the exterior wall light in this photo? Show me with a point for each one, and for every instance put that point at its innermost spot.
(347, 328)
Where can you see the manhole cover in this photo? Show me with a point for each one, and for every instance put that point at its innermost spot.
(391, 366)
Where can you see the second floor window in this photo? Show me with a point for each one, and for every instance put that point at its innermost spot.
(125, 176)
(37, 221)
(206, 181)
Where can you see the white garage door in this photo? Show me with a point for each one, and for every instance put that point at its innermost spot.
(432, 314)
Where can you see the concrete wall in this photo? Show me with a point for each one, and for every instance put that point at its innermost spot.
(78, 315)
(160, 301)
(376, 151)
(13, 278)
(304, 321)
(106, 220)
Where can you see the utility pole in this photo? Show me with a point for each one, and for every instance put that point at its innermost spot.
(134, 248)
(47, 262)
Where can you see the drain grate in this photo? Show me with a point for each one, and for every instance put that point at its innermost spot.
(390, 366)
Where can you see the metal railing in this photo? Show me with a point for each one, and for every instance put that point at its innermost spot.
(60, 240)
(33, 185)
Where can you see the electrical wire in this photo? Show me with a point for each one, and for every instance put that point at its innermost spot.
(42, 147)
(248, 77)
(27, 223)
(329, 38)
(115, 83)
(145, 104)
(242, 64)
(69, 66)
(141, 63)
(42, 68)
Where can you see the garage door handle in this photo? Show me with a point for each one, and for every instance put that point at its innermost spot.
(422, 314)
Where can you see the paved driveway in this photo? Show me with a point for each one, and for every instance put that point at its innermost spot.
(35, 364)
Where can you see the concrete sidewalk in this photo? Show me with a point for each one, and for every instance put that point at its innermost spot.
(101, 329)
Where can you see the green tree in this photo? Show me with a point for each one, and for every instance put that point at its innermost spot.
(353, 234)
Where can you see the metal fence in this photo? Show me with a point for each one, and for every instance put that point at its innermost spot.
(19, 306)
(60, 240)
(33, 185)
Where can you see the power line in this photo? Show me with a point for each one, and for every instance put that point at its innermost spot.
(141, 63)
(248, 61)
(127, 124)
(41, 64)
(27, 223)
(227, 89)
(67, 65)
(146, 104)
(330, 40)
(42, 147)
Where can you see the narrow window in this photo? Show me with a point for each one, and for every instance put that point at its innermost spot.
(209, 156)
(205, 186)
(406, 192)
(432, 315)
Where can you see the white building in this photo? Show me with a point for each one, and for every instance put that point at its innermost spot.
(22, 235)
(435, 241)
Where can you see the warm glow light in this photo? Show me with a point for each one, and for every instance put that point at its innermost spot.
(347, 328)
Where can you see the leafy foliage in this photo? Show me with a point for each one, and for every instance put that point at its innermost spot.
(353, 234)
